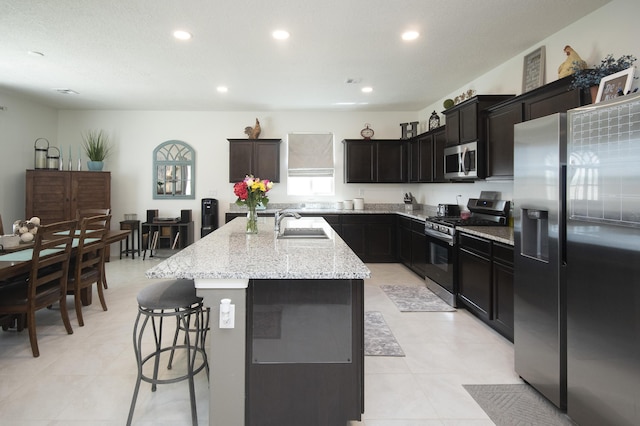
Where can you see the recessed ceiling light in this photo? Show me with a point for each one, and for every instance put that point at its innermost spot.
(222, 89)
(35, 53)
(410, 35)
(367, 89)
(182, 35)
(280, 34)
(66, 91)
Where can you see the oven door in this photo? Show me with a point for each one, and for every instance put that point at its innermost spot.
(440, 269)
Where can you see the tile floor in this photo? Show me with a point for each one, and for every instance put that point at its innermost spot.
(87, 378)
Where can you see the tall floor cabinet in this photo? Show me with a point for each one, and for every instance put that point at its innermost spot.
(55, 196)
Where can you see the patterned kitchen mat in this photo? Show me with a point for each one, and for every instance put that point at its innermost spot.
(378, 338)
(508, 405)
(415, 299)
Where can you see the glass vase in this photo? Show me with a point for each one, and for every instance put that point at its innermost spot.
(252, 220)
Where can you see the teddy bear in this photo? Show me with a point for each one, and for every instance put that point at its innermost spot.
(26, 229)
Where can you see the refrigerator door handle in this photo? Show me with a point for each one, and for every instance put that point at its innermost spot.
(562, 215)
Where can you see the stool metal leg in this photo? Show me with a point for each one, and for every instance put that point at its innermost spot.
(192, 348)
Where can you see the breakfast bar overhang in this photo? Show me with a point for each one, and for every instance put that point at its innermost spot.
(295, 353)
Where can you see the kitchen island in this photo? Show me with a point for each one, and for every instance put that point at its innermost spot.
(295, 354)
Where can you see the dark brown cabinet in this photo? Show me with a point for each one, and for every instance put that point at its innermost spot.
(465, 122)
(485, 273)
(372, 237)
(375, 161)
(55, 196)
(257, 157)
(412, 245)
(426, 157)
(500, 124)
(548, 99)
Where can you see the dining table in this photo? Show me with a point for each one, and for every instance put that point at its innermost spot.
(16, 261)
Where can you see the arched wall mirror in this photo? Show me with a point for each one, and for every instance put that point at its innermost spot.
(174, 171)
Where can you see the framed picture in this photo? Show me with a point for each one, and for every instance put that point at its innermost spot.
(615, 85)
(533, 70)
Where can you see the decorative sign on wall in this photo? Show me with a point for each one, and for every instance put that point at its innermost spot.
(614, 85)
(409, 130)
(533, 70)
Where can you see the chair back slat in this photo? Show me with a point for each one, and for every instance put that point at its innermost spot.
(91, 246)
(82, 213)
(54, 267)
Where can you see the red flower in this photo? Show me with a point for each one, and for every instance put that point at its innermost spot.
(240, 190)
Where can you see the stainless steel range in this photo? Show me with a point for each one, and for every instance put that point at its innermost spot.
(441, 267)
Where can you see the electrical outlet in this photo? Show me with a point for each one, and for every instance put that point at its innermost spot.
(361, 192)
(227, 314)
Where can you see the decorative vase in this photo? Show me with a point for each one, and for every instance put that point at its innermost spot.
(252, 220)
(95, 165)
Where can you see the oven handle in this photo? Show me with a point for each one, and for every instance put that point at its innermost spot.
(439, 236)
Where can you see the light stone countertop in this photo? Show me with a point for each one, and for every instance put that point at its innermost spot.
(230, 253)
(502, 234)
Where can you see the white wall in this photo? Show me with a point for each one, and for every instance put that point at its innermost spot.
(610, 29)
(136, 133)
(21, 123)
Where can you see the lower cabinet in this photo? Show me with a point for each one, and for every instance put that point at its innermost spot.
(485, 273)
(371, 236)
(412, 245)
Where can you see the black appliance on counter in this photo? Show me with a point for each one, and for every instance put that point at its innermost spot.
(441, 262)
(209, 216)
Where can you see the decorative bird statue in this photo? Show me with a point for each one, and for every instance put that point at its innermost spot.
(253, 132)
(570, 65)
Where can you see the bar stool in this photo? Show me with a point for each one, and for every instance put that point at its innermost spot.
(173, 298)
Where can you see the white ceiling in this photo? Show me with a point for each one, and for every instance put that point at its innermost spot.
(121, 54)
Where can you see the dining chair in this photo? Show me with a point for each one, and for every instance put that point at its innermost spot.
(46, 283)
(87, 266)
(82, 213)
(1, 227)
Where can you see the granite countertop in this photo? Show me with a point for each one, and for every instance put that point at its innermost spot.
(503, 234)
(230, 253)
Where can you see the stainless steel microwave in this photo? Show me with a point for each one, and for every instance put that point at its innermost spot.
(463, 162)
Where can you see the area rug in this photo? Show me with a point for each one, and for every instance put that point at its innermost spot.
(378, 338)
(508, 405)
(415, 299)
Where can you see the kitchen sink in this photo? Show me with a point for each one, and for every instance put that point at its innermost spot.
(315, 233)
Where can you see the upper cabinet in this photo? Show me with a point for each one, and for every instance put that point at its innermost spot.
(548, 99)
(257, 157)
(426, 156)
(465, 121)
(375, 161)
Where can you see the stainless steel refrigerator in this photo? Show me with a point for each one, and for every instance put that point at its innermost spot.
(577, 263)
(603, 263)
(539, 285)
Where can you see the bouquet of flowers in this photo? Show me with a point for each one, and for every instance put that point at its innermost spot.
(251, 192)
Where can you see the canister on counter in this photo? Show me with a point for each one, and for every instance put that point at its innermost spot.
(348, 204)
(358, 203)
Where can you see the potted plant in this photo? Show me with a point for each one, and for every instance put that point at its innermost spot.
(589, 78)
(96, 146)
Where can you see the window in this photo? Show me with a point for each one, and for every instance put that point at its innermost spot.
(310, 164)
(173, 171)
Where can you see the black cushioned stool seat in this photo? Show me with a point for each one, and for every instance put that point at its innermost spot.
(178, 299)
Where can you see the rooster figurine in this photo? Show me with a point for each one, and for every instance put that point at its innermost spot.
(253, 132)
(571, 64)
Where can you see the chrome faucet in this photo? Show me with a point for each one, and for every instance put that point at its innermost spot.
(281, 214)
